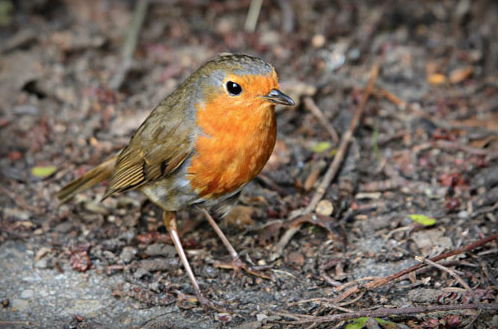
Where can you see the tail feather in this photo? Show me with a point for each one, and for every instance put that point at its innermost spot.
(89, 179)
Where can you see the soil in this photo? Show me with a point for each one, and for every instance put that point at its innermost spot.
(420, 176)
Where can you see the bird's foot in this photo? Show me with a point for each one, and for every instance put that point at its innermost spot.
(238, 266)
(186, 301)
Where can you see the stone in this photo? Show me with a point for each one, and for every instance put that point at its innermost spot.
(20, 304)
(26, 294)
(260, 317)
(163, 250)
(128, 253)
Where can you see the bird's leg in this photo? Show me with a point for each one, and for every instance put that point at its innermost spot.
(171, 226)
(237, 263)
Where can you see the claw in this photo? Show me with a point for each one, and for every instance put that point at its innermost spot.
(209, 305)
(238, 265)
(204, 302)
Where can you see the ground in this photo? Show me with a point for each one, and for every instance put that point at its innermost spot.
(419, 178)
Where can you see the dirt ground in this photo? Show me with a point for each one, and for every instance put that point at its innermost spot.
(420, 177)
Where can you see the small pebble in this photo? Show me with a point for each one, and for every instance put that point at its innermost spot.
(42, 263)
(19, 304)
(223, 317)
(96, 208)
(128, 253)
(260, 317)
(324, 207)
(318, 40)
(26, 294)
(463, 214)
(164, 250)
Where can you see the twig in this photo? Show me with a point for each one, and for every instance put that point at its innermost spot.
(325, 301)
(385, 312)
(382, 281)
(447, 270)
(326, 266)
(468, 149)
(335, 164)
(271, 184)
(474, 318)
(312, 107)
(347, 136)
(357, 298)
(252, 16)
(130, 44)
(342, 287)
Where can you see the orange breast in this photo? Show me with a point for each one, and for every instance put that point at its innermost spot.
(238, 139)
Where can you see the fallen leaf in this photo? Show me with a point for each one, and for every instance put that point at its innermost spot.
(321, 147)
(460, 74)
(436, 79)
(43, 171)
(357, 323)
(422, 219)
(383, 322)
(296, 258)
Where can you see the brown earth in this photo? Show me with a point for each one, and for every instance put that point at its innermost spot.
(426, 145)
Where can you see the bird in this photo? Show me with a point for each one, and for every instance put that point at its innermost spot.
(199, 147)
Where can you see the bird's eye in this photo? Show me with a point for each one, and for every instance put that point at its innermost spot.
(233, 88)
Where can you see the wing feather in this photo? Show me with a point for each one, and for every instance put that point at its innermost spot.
(159, 146)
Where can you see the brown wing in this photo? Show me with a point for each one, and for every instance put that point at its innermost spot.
(159, 146)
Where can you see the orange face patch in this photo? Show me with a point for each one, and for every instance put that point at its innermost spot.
(239, 136)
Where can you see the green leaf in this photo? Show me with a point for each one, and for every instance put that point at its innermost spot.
(43, 171)
(357, 323)
(321, 147)
(422, 219)
(332, 153)
(383, 322)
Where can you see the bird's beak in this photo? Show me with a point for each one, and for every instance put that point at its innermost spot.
(277, 97)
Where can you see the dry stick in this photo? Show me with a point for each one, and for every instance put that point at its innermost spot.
(447, 270)
(382, 281)
(335, 164)
(459, 279)
(473, 319)
(252, 16)
(330, 264)
(468, 149)
(347, 136)
(385, 312)
(321, 300)
(130, 44)
(312, 107)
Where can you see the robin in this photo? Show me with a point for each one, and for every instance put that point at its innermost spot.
(200, 146)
